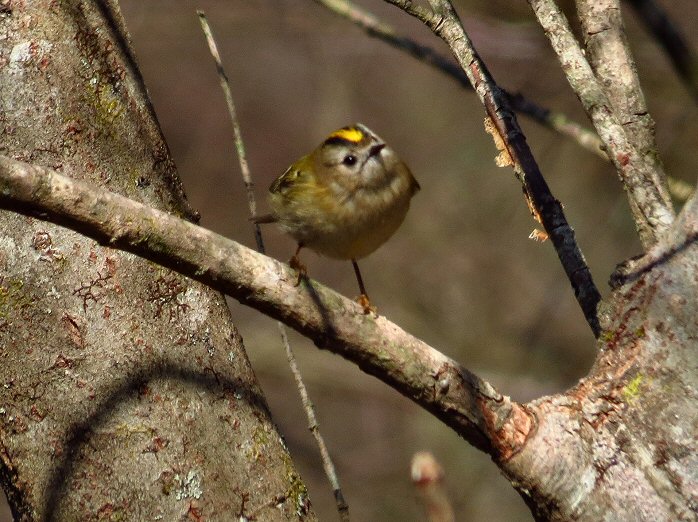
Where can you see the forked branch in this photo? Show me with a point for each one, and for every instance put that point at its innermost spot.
(651, 209)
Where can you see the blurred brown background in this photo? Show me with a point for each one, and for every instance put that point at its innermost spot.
(461, 273)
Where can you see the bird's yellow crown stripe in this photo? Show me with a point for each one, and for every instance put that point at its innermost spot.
(351, 134)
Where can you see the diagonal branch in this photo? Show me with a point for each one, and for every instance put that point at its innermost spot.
(445, 23)
(670, 38)
(375, 27)
(471, 406)
(651, 210)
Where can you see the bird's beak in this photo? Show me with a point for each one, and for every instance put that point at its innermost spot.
(376, 149)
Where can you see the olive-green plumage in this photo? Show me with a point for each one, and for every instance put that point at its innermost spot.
(344, 199)
(347, 197)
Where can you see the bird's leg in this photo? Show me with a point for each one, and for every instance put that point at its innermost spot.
(295, 263)
(363, 299)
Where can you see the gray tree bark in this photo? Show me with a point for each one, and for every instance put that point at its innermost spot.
(125, 391)
(623, 443)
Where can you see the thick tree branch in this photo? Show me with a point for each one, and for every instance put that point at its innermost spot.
(471, 406)
(444, 22)
(651, 209)
(671, 39)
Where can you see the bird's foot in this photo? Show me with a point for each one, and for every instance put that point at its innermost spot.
(365, 303)
(296, 264)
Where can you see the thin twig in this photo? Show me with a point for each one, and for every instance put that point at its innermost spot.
(558, 121)
(328, 464)
(314, 427)
(652, 213)
(670, 38)
(471, 406)
(239, 144)
(444, 22)
(375, 27)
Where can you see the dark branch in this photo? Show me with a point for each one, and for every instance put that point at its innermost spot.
(543, 205)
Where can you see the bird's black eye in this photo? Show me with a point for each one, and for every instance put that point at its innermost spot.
(349, 160)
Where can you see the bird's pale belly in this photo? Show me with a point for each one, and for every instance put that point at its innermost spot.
(352, 238)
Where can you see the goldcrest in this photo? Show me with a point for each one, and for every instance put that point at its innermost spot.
(344, 199)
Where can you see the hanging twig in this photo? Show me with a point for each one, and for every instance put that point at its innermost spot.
(314, 427)
(328, 465)
(510, 139)
(239, 144)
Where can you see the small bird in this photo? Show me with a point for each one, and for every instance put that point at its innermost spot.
(344, 199)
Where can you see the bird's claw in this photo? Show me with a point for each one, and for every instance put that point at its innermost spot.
(365, 303)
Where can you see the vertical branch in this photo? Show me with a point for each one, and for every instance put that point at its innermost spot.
(651, 211)
(444, 22)
(328, 465)
(610, 58)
